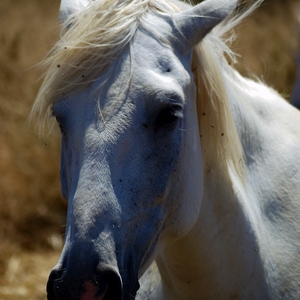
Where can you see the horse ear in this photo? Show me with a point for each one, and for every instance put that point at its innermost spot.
(195, 23)
(70, 7)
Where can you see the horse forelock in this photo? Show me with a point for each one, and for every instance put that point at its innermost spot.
(98, 37)
(89, 47)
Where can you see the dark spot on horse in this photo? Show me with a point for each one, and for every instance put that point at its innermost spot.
(66, 48)
(168, 70)
(222, 134)
(212, 126)
(203, 114)
(58, 65)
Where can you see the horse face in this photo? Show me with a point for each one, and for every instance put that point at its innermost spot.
(131, 165)
(125, 168)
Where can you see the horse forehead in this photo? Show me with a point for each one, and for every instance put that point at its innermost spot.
(153, 58)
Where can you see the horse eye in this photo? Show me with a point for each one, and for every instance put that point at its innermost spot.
(170, 116)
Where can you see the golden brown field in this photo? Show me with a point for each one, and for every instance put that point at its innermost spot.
(32, 212)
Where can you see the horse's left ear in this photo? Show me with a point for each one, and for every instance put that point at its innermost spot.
(70, 7)
(194, 23)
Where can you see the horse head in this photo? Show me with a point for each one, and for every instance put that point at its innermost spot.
(130, 152)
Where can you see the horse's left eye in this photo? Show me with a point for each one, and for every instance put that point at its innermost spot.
(169, 117)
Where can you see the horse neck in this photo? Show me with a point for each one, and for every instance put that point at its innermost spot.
(218, 257)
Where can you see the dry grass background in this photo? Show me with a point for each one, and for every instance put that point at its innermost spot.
(32, 213)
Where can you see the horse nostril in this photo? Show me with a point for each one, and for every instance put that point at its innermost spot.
(53, 278)
(111, 281)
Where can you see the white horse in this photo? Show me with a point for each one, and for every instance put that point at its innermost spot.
(182, 177)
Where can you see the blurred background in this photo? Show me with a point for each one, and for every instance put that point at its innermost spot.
(32, 212)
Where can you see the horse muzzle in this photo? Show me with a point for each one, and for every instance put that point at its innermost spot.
(104, 284)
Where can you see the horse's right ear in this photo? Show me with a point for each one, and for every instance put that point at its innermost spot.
(70, 7)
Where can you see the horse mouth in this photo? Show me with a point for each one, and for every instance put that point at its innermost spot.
(92, 292)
